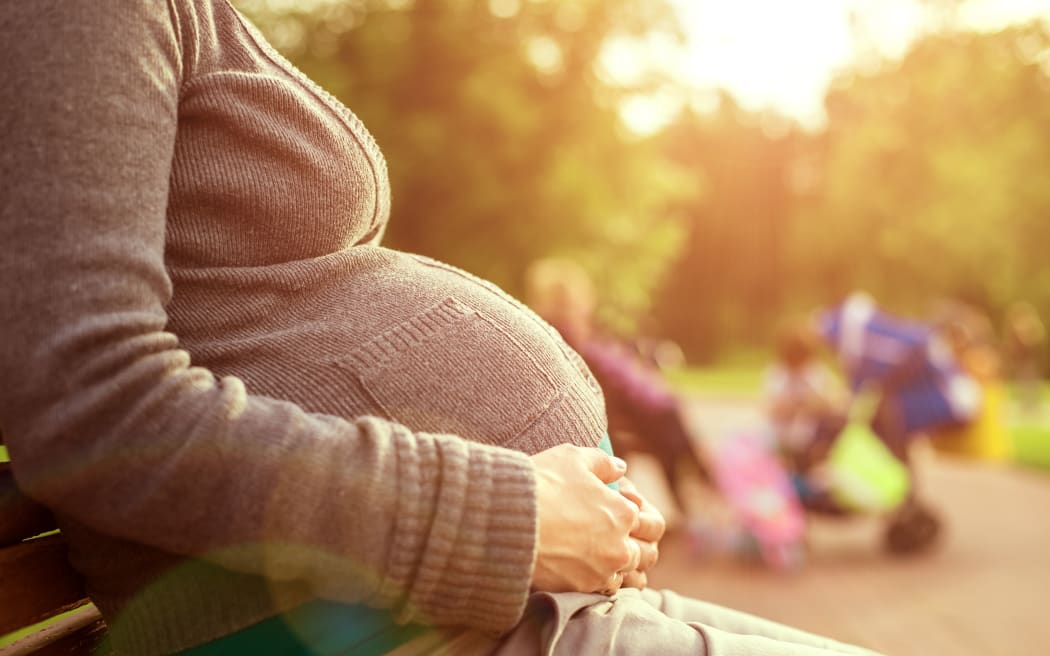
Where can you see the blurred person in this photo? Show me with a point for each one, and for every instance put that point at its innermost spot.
(662, 353)
(806, 409)
(1025, 341)
(260, 431)
(970, 335)
(802, 396)
(644, 412)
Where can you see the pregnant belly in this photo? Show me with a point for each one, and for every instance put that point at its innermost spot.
(372, 331)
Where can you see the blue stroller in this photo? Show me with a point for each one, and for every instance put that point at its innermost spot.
(919, 387)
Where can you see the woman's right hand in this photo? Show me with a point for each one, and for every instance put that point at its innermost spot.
(584, 540)
(647, 535)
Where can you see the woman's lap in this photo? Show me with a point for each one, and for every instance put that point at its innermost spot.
(653, 622)
(719, 622)
(632, 622)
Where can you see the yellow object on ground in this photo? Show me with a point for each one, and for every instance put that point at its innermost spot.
(986, 436)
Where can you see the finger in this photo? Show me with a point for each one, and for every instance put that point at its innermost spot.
(608, 468)
(622, 512)
(648, 554)
(634, 557)
(614, 583)
(635, 579)
(651, 525)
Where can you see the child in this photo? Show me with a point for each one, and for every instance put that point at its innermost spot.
(970, 336)
(803, 399)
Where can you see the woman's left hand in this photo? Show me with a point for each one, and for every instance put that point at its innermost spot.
(651, 527)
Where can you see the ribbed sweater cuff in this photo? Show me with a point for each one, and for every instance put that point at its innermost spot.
(465, 552)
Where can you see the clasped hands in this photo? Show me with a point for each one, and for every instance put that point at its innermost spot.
(591, 538)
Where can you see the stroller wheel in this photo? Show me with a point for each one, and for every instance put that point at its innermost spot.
(913, 529)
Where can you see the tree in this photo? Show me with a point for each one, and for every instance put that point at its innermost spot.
(727, 286)
(936, 177)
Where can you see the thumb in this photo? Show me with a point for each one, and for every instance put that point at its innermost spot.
(607, 468)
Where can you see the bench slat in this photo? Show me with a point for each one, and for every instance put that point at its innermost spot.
(20, 516)
(74, 635)
(38, 583)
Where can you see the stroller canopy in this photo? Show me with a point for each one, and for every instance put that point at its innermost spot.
(908, 360)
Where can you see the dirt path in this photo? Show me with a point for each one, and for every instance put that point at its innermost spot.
(984, 590)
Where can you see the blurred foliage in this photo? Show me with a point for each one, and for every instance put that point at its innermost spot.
(503, 139)
(936, 177)
(930, 181)
(505, 143)
(727, 285)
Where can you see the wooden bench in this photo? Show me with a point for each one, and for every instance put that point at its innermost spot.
(37, 583)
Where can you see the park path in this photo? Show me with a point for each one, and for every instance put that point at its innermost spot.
(984, 590)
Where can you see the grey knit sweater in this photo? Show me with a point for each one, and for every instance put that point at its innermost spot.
(232, 397)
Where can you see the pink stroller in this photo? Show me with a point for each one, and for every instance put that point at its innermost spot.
(760, 493)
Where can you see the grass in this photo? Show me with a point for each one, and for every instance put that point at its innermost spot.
(729, 381)
(1032, 445)
(739, 374)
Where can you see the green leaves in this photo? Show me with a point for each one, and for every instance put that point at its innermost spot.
(935, 174)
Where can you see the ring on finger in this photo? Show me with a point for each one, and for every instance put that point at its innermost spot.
(615, 583)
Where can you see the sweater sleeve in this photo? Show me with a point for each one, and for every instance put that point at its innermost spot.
(106, 419)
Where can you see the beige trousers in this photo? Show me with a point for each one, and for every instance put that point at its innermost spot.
(632, 622)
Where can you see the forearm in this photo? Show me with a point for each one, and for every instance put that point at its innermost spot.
(360, 511)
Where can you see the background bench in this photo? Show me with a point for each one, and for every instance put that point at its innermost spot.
(37, 583)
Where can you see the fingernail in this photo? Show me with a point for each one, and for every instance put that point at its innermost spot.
(620, 463)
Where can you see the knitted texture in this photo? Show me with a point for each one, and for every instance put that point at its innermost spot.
(231, 396)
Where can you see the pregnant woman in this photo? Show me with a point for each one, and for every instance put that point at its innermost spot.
(262, 432)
